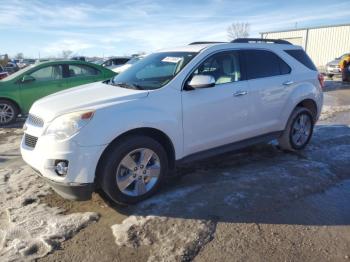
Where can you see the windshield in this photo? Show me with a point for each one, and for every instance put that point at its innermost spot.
(153, 71)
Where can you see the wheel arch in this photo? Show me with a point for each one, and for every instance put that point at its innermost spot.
(311, 105)
(154, 133)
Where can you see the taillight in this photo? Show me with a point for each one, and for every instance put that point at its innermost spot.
(321, 80)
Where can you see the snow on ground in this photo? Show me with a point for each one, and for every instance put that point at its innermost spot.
(330, 111)
(28, 228)
(173, 240)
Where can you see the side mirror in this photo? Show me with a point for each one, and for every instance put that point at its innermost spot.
(27, 79)
(201, 81)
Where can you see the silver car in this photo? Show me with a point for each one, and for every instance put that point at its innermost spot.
(332, 67)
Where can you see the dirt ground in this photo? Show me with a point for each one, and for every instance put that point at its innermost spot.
(258, 204)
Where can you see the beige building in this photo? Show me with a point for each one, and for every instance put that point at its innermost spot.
(322, 44)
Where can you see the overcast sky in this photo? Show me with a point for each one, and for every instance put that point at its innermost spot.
(120, 27)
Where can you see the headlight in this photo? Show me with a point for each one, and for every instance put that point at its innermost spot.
(67, 125)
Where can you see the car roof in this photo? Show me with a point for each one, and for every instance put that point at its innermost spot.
(65, 61)
(203, 46)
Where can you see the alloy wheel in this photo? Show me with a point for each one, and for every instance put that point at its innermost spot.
(301, 130)
(138, 172)
(7, 113)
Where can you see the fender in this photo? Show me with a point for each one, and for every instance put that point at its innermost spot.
(139, 113)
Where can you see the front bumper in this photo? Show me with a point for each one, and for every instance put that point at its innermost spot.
(333, 71)
(78, 183)
(78, 192)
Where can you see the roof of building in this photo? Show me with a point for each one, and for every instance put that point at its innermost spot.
(304, 28)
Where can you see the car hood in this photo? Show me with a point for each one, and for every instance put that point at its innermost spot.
(85, 97)
(334, 62)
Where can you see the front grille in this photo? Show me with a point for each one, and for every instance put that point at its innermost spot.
(333, 66)
(30, 141)
(35, 120)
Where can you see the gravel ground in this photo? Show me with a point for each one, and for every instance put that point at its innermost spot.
(259, 204)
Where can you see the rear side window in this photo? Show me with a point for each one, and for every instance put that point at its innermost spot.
(82, 70)
(263, 63)
(302, 57)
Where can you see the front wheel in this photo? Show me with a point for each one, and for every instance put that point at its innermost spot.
(8, 112)
(133, 169)
(298, 131)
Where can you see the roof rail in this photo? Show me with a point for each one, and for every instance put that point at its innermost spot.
(259, 40)
(205, 42)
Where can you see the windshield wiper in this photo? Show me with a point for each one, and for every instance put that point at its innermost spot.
(127, 85)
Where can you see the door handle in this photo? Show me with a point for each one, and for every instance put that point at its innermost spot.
(240, 93)
(288, 83)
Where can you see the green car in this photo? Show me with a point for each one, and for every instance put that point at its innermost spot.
(20, 90)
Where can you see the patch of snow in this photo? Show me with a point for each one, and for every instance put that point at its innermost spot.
(330, 111)
(30, 229)
(169, 239)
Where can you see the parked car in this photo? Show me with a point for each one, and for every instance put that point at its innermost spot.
(25, 62)
(114, 62)
(11, 67)
(332, 67)
(80, 58)
(3, 73)
(20, 90)
(128, 64)
(174, 106)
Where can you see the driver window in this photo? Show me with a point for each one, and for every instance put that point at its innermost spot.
(224, 67)
(48, 73)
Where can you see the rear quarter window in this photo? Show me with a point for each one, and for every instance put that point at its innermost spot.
(302, 57)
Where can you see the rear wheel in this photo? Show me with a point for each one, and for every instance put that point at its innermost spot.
(298, 131)
(8, 112)
(133, 170)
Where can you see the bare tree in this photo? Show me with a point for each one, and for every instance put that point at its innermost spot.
(19, 56)
(238, 30)
(66, 53)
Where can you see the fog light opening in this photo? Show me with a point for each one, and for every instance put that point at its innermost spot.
(61, 167)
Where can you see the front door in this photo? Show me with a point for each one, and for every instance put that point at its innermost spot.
(221, 114)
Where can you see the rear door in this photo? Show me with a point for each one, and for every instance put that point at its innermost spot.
(270, 83)
(81, 74)
(46, 80)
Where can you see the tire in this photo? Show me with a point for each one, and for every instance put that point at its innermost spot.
(8, 112)
(288, 139)
(113, 173)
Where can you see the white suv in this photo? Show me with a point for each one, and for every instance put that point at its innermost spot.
(125, 135)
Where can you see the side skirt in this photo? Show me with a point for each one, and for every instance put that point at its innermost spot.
(229, 147)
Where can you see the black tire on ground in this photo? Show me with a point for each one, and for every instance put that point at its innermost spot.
(112, 159)
(346, 74)
(286, 141)
(11, 107)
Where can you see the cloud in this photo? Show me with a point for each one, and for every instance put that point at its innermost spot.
(67, 44)
(127, 26)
